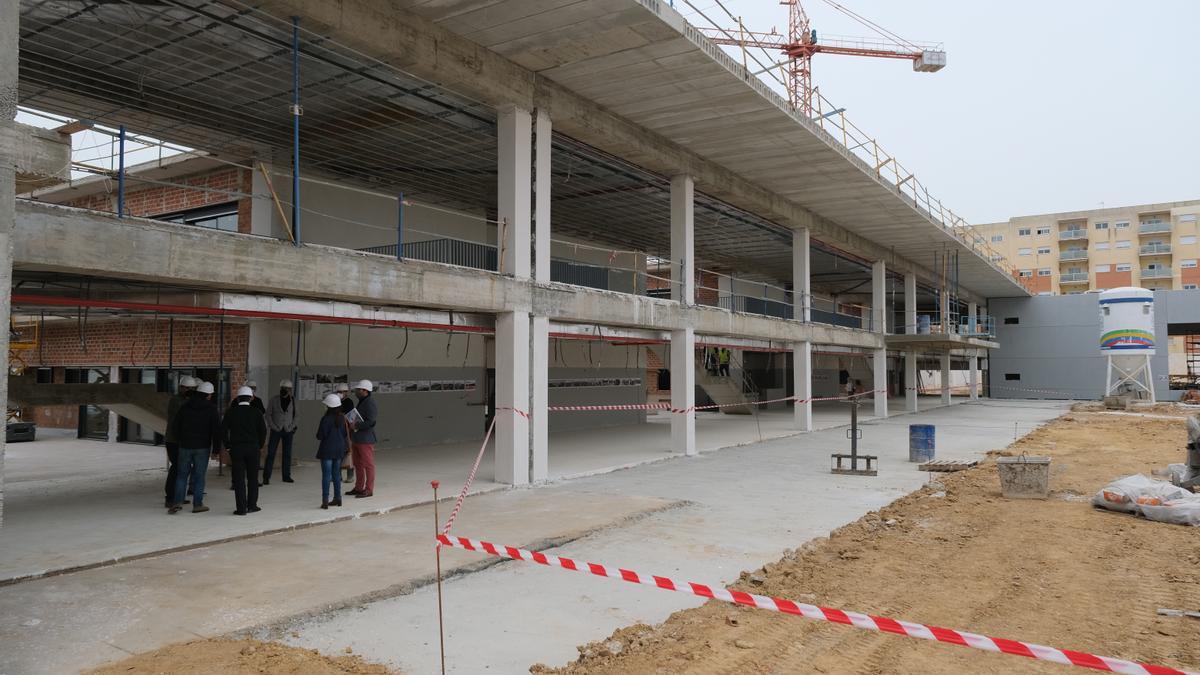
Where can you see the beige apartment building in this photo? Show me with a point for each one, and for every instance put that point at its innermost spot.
(1149, 245)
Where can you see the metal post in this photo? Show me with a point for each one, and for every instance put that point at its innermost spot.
(296, 112)
(438, 552)
(121, 173)
(400, 227)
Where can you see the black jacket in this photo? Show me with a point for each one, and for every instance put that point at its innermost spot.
(243, 427)
(197, 424)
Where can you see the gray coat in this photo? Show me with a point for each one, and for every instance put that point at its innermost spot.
(278, 419)
(365, 431)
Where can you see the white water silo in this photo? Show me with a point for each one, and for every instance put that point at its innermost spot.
(1127, 339)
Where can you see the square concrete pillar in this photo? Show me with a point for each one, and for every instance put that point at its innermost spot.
(878, 297)
(802, 411)
(910, 380)
(683, 391)
(512, 391)
(945, 378)
(972, 318)
(513, 163)
(9, 39)
(881, 383)
(910, 303)
(541, 196)
(683, 241)
(801, 275)
(539, 396)
(973, 364)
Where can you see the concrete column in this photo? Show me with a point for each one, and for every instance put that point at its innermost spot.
(910, 380)
(972, 318)
(512, 391)
(683, 391)
(539, 390)
(945, 378)
(9, 23)
(878, 297)
(683, 242)
(973, 364)
(802, 385)
(541, 196)
(910, 303)
(801, 277)
(881, 383)
(114, 420)
(944, 311)
(513, 162)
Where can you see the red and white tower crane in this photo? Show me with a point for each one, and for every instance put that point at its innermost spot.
(800, 45)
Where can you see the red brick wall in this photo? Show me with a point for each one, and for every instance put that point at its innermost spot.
(132, 343)
(221, 187)
(706, 285)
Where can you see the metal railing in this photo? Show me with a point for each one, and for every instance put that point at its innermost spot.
(1074, 254)
(1154, 249)
(1070, 235)
(982, 326)
(1154, 228)
(1156, 273)
(1073, 278)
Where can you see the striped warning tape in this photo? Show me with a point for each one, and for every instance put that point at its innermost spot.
(864, 621)
(470, 478)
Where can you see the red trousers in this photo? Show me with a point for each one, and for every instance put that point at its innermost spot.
(364, 466)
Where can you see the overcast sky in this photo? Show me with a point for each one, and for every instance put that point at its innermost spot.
(1044, 106)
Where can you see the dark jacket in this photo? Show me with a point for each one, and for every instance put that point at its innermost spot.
(332, 434)
(197, 424)
(173, 407)
(365, 430)
(243, 427)
(347, 405)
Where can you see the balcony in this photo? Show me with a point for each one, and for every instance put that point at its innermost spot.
(1073, 278)
(1070, 235)
(1074, 254)
(1155, 249)
(1154, 228)
(1157, 273)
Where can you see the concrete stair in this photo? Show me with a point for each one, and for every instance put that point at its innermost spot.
(137, 402)
(725, 391)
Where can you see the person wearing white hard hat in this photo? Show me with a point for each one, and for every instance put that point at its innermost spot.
(334, 435)
(363, 440)
(187, 384)
(199, 433)
(243, 431)
(343, 391)
(281, 419)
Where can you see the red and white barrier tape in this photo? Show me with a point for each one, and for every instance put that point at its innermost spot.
(864, 621)
(470, 478)
(615, 406)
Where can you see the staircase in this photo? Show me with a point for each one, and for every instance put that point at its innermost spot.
(737, 387)
(137, 402)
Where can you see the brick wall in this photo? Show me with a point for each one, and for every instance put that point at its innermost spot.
(144, 343)
(221, 187)
(706, 285)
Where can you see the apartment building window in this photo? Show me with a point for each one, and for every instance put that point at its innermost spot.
(1024, 251)
(1100, 269)
(997, 238)
(1187, 218)
(1103, 246)
(1025, 273)
(1124, 243)
(1101, 226)
(1043, 250)
(1044, 272)
(1187, 263)
(1124, 224)
(1023, 232)
(1124, 267)
(1074, 270)
(1043, 230)
(1154, 266)
(1189, 287)
(1188, 239)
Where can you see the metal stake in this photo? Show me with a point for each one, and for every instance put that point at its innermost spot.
(121, 173)
(438, 552)
(296, 112)
(400, 227)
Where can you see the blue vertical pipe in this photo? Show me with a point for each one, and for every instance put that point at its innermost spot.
(400, 227)
(121, 173)
(296, 130)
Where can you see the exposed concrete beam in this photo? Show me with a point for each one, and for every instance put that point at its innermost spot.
(40, 157)
(422, 48)
(78, 242)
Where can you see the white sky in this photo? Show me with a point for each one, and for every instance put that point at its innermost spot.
(1044, 106)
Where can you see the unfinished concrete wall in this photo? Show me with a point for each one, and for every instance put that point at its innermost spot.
(9, 40)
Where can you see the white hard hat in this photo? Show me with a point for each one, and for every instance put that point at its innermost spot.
(252, 384)
(245, 391)
(365, 384)
(205, 388)
(188, 381)
(333, 401)
(285, 384)
(342, 387)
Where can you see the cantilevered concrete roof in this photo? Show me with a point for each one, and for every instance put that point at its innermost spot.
(642, 61)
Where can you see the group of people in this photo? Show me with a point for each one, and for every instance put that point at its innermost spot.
(716, 361)
(197, 430)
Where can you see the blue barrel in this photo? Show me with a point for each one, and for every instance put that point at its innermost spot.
(920, 442)
(923, 324)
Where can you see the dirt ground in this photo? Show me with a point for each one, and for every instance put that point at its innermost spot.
(957, 554)
(238, 657)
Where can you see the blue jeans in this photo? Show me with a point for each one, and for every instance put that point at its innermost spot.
(331, 474)
(272, 445)
(192, 462)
